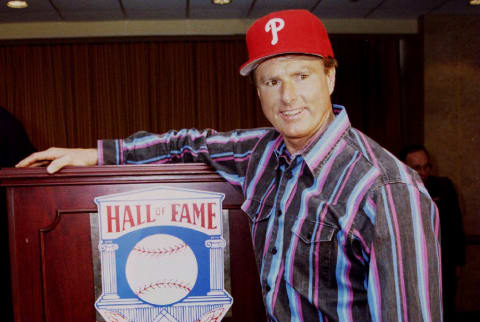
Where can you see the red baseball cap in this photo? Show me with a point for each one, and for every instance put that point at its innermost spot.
(285, 32)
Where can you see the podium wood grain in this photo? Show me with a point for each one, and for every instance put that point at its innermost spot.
(49, 236)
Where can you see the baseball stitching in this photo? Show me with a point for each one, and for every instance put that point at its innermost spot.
(214, 315)
(161, 251)
(112, 316)
(160, 284)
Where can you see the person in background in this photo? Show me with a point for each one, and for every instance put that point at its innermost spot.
(341, 229)
(443, 192)
(14, 142)
(15, 145)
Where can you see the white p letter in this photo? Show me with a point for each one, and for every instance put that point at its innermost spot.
(274, 25)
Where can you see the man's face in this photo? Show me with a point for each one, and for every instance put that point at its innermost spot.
(419, 162)
(294, 91)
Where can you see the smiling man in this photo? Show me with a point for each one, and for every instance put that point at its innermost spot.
(342, 230)
(295, 94)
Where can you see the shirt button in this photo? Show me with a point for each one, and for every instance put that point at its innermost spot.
(274, 250)
(267, 288)
(279, 213)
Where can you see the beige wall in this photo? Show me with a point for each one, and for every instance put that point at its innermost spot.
(452, 124)
(126, 28)
(452, 105)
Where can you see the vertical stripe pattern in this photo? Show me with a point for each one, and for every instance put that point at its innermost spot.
(342, 231)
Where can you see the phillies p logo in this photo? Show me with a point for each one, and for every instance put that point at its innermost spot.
(274, 25)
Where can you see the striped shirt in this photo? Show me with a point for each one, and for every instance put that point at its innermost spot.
(342, 231)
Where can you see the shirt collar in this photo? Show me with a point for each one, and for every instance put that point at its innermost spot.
(322, 144)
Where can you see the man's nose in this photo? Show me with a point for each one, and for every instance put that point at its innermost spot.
(289, 92)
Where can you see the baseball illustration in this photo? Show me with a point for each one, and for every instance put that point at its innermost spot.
(161, 269)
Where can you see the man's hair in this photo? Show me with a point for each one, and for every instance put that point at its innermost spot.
(410, 149)
(328, 64)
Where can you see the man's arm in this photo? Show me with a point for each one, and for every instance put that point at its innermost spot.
(404, 272)
(227, 152)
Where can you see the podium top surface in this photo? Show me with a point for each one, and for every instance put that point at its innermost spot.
(179, 172)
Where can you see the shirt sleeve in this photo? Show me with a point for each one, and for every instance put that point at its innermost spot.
(228, 152)
(404, 271)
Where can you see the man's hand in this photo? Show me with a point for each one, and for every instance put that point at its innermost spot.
(59, 158)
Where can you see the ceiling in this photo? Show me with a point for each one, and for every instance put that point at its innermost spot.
(108, 10)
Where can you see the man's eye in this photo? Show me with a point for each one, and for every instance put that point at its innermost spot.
(272, 82)
(303, 76)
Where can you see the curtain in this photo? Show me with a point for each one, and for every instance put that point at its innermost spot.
(72, 92)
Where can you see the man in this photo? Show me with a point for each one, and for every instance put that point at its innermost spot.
(15, 145)
(14, 141)
(443, 193)
(342, 230)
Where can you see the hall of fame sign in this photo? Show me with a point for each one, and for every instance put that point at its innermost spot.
(161, 252)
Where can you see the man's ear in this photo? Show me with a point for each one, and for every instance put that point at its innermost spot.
(331, 79)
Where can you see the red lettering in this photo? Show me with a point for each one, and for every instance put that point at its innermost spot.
(128, 218)
(211, 215)
(113, 219)
(199, 213)
(149, 218)
(174, 211)
(139, 215)
(185, 214)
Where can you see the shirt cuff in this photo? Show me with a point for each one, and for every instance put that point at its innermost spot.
(108, 152)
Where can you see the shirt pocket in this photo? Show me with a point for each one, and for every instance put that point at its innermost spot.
(314, 259)
(259, 215)
(256, 211)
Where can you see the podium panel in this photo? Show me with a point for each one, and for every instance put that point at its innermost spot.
(51, 236)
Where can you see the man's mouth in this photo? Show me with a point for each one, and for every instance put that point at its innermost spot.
(292, 113)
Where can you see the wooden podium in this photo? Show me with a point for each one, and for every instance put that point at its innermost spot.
(50, 236)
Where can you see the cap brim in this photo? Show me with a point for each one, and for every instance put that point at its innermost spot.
(251, 65)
